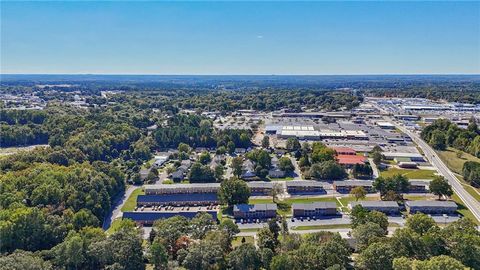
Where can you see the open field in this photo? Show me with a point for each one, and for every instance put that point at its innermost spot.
(409, 173)
(454, 163)
(132, 200)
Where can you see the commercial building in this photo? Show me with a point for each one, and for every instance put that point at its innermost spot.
(305, 187)
(300, 132)
(181, 188)
(387, 207)
(191, 199)
(315, 209)
(385, 125)
(255, 211)
(347, 185)
(149, 217)
(343, 134)
(431, 207)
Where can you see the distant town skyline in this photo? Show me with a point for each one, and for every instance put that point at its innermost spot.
(224, 38)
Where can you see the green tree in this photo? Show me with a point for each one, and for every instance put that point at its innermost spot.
(358, 193)
(420, 223)
(183, 147)
(233, 191)
(23, 260)
(377, 256)
(205, 158)
(285, 164)
(158, 255)
(246, 257)
(328, 170)
(237, 164)
(293, 144)
(219, 172)
(84, 218)
(266, 239)
(440, 186)
(367, 233)
(201, 224)
(266, 141)
(437, 140)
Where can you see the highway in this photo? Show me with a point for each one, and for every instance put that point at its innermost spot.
(457, 186)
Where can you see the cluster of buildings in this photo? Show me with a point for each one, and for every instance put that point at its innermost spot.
(309, 133)
(412, 207)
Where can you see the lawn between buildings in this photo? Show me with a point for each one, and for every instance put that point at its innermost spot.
(131, 202)
(409, 173)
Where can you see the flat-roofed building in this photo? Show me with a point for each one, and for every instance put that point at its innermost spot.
(408, 165)
(259, 188)
(255, 211)
(191, 199)
(300, 132)
(387, 207)
(181, 188)
(412, 156)
(315, 209)
(343, 134)
(431, 207)
(385, 125)
(305, 187)
(347, 185)
(149, 217)
(418, 186)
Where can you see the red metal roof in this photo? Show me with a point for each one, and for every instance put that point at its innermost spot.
(351, 159)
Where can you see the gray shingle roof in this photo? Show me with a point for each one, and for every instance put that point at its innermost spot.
(254, 207)
(430, 204)
(367, 204)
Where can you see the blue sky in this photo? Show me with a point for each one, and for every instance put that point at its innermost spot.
(240, 37)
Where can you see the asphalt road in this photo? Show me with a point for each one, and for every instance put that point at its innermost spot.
(119, 202)
(457, 187)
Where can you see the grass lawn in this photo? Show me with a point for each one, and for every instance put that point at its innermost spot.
(132, 200)
(418, 197)
(281, 179)
(250, 230)
(148, 164)
(454, 163)
(409, 173)
(284, 207)
(322, 227)
(114, 226)
(237, 241)
(462, 209)
(346, 200)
